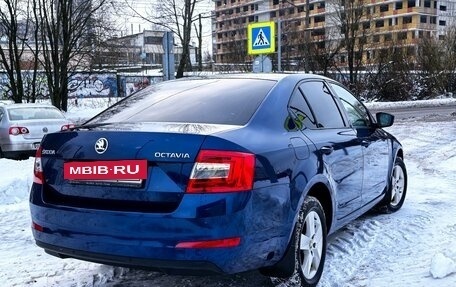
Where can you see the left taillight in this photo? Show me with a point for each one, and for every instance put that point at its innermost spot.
(222, 171)
(67, 127)
(18, 131)
(38, 168)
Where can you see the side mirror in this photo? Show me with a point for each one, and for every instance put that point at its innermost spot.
(384, 119)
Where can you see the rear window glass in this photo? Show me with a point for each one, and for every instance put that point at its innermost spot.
(211, 101)
(34, 113)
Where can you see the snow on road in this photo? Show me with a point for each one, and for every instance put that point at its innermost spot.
(412, 247)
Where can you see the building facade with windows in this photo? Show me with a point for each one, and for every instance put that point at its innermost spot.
(144, 49)
(320, 24)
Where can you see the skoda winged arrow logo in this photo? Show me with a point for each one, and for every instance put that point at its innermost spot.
(101, 145)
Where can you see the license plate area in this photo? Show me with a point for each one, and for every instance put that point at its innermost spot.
(117, 172)
(133, 183)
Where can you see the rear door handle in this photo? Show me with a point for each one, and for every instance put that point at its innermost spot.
(326, 149)
(365, 143)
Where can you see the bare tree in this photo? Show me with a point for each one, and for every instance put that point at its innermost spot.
(324, 51)
(351, 16)
(177, 16)
(391, 78)
(430, 62)
(66, 37)
(16, 28)
(105, 50)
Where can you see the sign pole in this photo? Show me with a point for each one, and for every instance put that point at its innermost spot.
(279, 45)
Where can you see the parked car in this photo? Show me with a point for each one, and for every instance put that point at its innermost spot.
(217, 175)
(22, 126)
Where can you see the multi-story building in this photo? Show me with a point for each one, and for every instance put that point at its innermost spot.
(380, 24)
(144, 49)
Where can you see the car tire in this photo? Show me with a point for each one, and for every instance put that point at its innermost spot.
(395, 196)
(308, 247)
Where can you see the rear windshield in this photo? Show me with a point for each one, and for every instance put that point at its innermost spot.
(210, 101)
(34, 113)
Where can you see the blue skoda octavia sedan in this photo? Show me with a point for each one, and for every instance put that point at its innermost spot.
(221, 174)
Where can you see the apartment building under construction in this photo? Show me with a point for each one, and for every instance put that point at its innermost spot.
(321, 24)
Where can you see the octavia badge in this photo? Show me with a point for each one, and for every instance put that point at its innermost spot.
(45, 130)
(101, 145)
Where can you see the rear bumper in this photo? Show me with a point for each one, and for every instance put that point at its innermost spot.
(166, 266)
(16, 150)
(262, 219)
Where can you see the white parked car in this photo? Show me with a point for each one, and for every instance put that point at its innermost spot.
(22, 126)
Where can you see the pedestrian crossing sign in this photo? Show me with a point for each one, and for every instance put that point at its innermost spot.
(261, 38)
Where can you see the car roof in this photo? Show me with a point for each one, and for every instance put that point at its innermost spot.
(259, 76)
(28, 105)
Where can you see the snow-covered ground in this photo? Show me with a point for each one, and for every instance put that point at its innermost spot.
(414, 247)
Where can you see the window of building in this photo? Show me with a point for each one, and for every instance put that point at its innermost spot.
(318, 32)
(379, 23)
(388, 37)
(420, 34)
(384, 8)
(153, 40)
(233, 1)
(407, 20)
(411, 3)
(423, 19)
(433, 20)
(291, 11)
(427, 3)
(311, 7)
(321, 5)
(402, 36)
(272, 14)
(410, 51)
(238, 10)
(251, 18)
(367, 11)
(435, 4)
(398, 5)
(275, 2)
(342, 59)
(319, 19)
(443, 8)
(390, 21)
(219, 3)
(442, 23)
(441, 37)
(366, 25)
(376, 38)
(245, 8)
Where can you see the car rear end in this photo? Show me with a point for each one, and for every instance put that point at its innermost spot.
(175, 197)
(25, 125)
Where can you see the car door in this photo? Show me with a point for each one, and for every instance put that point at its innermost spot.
(337, 147)
(376, 148)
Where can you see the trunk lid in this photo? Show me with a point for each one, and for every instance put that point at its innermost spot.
(169, 155)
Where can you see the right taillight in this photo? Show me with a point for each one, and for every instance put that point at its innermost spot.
(38, 168)
(222, 171)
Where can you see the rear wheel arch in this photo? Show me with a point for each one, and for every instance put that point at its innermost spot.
(321, 192)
